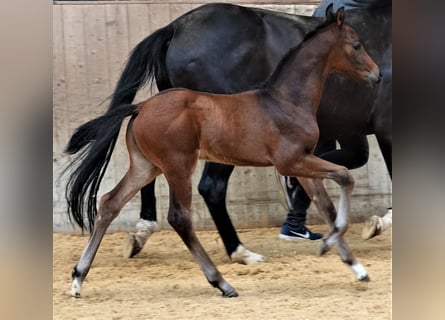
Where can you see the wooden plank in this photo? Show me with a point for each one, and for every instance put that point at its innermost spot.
(75, 64)
(178, 9)
(60, 117)
(159, 15)
(138, 23)
(118, 44)
(97, 56)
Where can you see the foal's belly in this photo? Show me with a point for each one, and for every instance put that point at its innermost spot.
(235, 156)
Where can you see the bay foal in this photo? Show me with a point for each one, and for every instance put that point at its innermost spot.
(276, 126)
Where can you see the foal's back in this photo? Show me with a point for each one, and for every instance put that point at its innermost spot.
(214, 124)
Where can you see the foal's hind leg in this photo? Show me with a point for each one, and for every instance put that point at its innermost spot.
(141, 172)
(179, 217)
(321, 199)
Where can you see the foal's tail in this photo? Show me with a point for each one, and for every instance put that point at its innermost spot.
(84, 181)
(145, 63)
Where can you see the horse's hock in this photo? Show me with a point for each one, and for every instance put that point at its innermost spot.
(91, 43)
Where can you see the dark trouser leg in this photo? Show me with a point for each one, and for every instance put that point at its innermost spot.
(300, 203)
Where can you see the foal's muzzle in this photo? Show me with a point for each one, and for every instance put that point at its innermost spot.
(375, 76)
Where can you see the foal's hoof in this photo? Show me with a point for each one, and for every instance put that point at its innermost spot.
(360, 272)
(76, 286)
(231, 294)
(372, 228)
(130, 246)
(365, 279)
(323, 248)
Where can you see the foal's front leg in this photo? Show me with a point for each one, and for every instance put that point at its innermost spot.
(315, 189)
(316, 168)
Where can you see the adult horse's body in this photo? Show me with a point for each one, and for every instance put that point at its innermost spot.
(273, 125)
(246, 45)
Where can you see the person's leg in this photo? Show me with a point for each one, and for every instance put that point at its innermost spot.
(354, 153)
(294, 228)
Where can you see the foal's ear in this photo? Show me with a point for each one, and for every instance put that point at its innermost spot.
(340, 17)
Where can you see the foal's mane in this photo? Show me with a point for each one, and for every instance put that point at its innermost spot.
(330, 18)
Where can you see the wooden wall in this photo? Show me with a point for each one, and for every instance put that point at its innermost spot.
(91, 41)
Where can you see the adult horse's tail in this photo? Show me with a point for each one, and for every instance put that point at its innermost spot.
(83, 183)
(145, 63)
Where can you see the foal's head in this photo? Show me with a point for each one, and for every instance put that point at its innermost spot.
(349, 58)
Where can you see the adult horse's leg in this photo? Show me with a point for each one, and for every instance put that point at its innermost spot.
(375, 225)
(213, 188)
(141, 172)
(179, 217)
(325, 206)
(146, 225)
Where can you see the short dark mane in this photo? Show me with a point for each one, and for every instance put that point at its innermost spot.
(327, 22)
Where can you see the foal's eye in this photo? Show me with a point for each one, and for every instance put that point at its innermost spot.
(356, 45)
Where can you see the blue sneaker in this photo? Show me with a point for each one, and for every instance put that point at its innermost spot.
(289, 232)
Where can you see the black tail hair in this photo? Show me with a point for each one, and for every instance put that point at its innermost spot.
(91, 164)
(146, 62)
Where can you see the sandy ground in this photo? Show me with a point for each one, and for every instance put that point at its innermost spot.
(164, 282)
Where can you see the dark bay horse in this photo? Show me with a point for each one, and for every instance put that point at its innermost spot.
(188, 53)
(273, 125)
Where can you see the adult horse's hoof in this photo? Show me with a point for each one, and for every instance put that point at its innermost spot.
(244, 256)
(372, 228)
(130, 246)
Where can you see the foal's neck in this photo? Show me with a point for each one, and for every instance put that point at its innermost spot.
(300, 76)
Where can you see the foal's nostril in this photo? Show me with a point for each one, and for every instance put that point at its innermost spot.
(379, 78)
